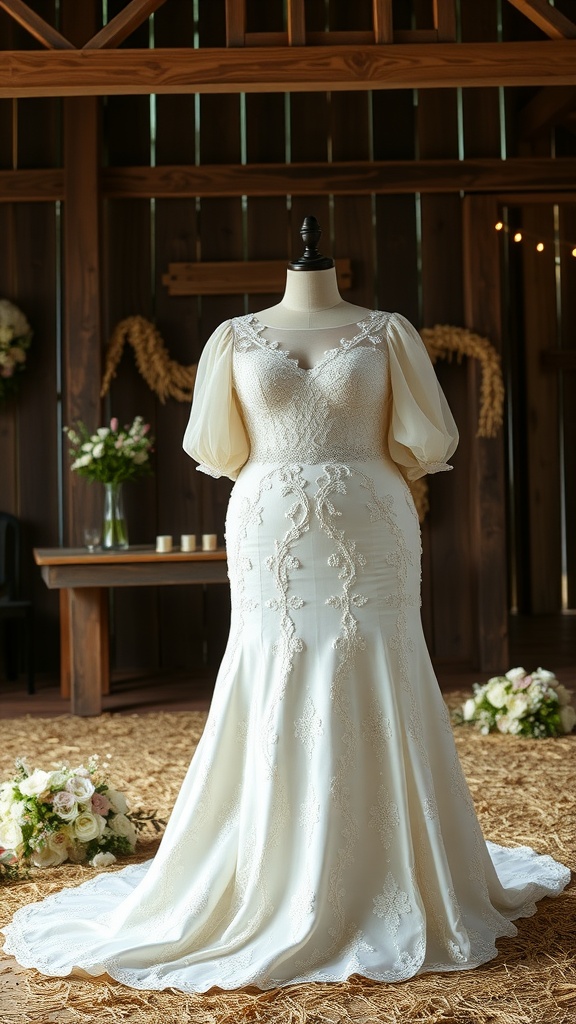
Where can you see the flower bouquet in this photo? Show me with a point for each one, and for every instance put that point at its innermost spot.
(15, 338)
(521, 703)
(112, 455)
(71, 814)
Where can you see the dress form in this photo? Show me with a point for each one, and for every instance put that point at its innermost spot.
(311, 302)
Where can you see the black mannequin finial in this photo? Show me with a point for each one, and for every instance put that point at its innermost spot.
(311, 258)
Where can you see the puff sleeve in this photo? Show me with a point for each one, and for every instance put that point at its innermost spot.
(216, 436)
(422, 434)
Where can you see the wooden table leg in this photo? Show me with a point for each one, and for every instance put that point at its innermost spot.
(65, 652)
(89, 650)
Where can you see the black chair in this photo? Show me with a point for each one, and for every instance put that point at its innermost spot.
(12, 607)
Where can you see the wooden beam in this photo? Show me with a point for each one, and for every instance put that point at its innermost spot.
(235, 22)
(129, 19)
(382, 18)
(256, 277)
(343, 178)
(549, 19)
(546, 108)
(296, 21)
(444, 12)
(38, 28)
(530, 179)
(285, 69)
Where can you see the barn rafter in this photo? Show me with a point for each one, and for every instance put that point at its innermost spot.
(289, 61)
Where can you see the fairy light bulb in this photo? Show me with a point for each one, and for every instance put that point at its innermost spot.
(499, 226)
(540, 247)
(518, 236)
(574, 252)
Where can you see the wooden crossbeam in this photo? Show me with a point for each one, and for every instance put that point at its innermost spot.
(445, 20)
(256, 277)
(39, 29)
(122, 26)
(286, 69)
(382, 18)
(296, 23)
(525, 179)
(547, 107)
(549, 19)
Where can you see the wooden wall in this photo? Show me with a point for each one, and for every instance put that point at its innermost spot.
(407, 253)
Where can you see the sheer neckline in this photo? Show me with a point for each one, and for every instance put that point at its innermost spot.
(369, 328)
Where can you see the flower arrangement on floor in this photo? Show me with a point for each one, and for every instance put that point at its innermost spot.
(112, 455)
(520, 703)
(15, 338)
(70, 814)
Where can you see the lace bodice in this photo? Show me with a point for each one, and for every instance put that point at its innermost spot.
(372, 393)
(335, 410)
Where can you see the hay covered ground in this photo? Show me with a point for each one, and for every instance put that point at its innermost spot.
(524, 792)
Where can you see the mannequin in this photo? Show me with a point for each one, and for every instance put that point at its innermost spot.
(311, 302)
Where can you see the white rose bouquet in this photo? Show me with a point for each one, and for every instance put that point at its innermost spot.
(71, 814)
(112, 454)
(521, 703)
(15, 338)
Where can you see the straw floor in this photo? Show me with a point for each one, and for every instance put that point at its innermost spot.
(524, 792)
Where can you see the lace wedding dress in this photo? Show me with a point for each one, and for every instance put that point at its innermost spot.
(324, 827)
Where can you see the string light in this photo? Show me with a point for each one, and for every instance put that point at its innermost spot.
(522, 236)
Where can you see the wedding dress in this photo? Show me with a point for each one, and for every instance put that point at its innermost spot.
(324, 827)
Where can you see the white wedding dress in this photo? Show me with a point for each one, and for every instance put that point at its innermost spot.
(324, 827)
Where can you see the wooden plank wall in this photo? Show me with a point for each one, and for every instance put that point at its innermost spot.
(406, 252)
(29, 436)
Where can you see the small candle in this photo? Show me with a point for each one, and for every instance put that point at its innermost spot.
(209, 541)
(188, 542)
(164, 542)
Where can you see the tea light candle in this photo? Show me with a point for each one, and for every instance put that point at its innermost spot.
(188, 542)
(209, 541)
(164, 543)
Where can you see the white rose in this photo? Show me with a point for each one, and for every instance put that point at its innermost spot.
(58, 779)
(17, 811)
(567, 718)
(497, 694)
(103, 431)
(518, 705)
(84, 460)
(469, 709)
(117, 800)
(503, 723)
(80, 787)
(35, 784)
(98, 451)
(48, 857)
(544, 675)
(103, 860)
(87, 826)
(10, 835)
(122, 826)
(515, 673)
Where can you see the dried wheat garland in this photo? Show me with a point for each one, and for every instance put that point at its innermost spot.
(169, 379)
(163, 375)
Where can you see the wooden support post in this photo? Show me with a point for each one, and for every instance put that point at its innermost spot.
(296, 19)
(235, 22)
(445, 20)
(487, 489)
(35, 25)
(382, 17)
(82, 343)
(549, 19)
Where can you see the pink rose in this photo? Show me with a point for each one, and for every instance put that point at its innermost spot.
(522, 684)
(64, 804)
(145, 428)
(101, 804)
(114, 424)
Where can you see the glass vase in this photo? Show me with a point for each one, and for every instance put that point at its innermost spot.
(114, 528)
